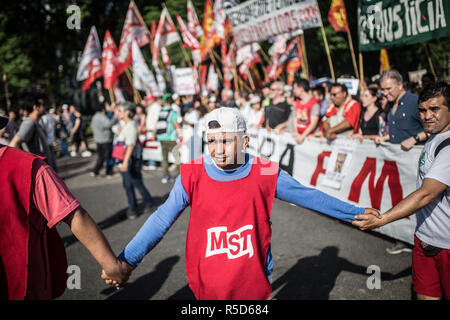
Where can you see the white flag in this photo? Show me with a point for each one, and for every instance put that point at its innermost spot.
(166, 34)
(160, 79)
(143, 78)
(194, 26)
(92, 50)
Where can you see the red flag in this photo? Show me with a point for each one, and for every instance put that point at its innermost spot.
(165, 56)
(210, 37)
(166, 34)
(90, 67)
(193, 24)
(228, 66)
(337, 16)
(133, 28)
(109, 61)
(249, 62)
(189, 41)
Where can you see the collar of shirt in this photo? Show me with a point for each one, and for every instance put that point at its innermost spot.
(218, 174)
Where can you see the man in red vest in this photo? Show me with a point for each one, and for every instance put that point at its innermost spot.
(307, 111)
(34, 199)
(230, 193)
(343, 115)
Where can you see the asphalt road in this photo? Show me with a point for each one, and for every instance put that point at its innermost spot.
(315, 256)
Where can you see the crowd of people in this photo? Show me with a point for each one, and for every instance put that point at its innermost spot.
(385, 110)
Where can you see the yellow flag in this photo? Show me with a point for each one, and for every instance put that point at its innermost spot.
(384, 61)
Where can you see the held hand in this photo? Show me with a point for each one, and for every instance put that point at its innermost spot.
(371, 219)
(118, 274)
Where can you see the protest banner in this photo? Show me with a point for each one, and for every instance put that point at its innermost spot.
(351, 84)
(256, 21)
(184, 83)
(360, 173)
(389, 23)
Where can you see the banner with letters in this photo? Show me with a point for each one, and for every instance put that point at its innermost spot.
(256, 21)
(387, 23)
(360, 173)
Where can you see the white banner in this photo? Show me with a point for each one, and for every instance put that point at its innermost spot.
(143, 78)
(358, 173)
(256, 20)
(184, 81)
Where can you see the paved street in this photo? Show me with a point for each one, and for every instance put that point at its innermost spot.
(315, 257)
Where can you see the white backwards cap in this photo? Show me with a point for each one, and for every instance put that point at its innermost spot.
(225, 120)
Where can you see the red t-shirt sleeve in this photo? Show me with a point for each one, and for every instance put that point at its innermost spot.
(50, 194)
(351, 114)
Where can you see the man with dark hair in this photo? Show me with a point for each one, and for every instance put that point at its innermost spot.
(276, 115)
(103, 136)
(307, 111)
(430, 202)
(318, 93)
(31, 136)
(342, 116)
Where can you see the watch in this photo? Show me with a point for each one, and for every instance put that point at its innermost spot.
(417, 138)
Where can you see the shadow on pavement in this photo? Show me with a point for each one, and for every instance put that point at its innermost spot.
(313, 278)
(184, 293)
(146, 286)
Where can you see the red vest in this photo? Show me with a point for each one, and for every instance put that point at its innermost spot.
(229, 232)
(16, 213)
(303, 113)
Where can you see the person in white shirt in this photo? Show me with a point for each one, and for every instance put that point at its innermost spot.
(430, 202)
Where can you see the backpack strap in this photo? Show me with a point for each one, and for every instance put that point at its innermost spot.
(441, 146)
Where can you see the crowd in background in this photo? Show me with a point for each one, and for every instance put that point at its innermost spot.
(326, 110)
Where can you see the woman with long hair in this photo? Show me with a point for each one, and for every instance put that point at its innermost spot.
(372, 121)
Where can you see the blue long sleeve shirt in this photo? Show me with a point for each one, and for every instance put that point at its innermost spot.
(287, 189)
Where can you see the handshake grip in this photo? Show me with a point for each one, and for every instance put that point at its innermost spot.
(117, 275)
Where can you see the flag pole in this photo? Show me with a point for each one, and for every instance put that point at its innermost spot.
(211, 55)
(305, 70)
(352, 51)
(327, 49)
(235, 78)
(429, 59)
(362, 83)
(136, 95)
(252, 84)
(111, 95)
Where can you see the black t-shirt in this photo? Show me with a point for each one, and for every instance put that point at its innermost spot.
(371, 126)
(277, 113)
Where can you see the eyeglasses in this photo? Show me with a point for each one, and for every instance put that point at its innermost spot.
(335, 94)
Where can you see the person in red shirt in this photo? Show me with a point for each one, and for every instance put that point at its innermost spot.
(33, 262)
(307, 111)
(343, 115)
